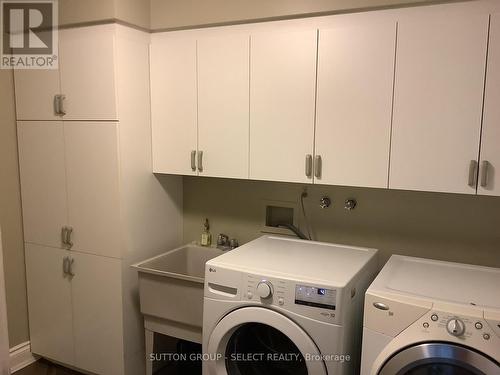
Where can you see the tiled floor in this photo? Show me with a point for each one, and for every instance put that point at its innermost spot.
(43, 367)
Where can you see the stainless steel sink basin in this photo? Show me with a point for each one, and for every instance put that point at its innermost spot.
(171, 291)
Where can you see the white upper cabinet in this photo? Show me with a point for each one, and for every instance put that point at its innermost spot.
(174, 104)
(440, 69)
(35, 93)
(85, 79)
(223, 106)
(93, 187)
(282, 100)
(87, 72)
(43, 181)
(354, 104)
(489, 176)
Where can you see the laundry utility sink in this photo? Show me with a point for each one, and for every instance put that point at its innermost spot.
(171, 291)
(186, 263)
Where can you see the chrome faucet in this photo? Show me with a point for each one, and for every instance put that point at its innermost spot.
(224, 243)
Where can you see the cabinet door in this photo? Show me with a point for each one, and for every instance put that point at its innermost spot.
(92, 172)
(438, 99)
(223, 113)
(97, 313)
(43, 181)
(35, 92)
(489, 176)
(282, 99)
(87, 72)
(173, 103)
(354, 104)
(49, 304)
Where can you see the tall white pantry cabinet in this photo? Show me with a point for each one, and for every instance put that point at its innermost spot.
(91, 206)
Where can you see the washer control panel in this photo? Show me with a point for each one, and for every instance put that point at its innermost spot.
(319, 302)
(459, 326)
(315, 296)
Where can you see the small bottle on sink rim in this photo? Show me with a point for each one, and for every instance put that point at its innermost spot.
(206, 236)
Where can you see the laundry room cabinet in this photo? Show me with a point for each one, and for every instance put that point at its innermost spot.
(43, 181)
(438, 101)
(272, 104)
(387, 99)
(91, 208)
(83, 88)
(79, 186)
(174, 104)
(199, 94)
(223, 110)
(354, 103)
(489, 163)
(73, 316)
(50, 308)
(282, 102)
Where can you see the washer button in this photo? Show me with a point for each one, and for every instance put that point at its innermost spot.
(434, 317)
(486, 336)
(426, 325)
(281, 301)
(479, 325)
(249, 295)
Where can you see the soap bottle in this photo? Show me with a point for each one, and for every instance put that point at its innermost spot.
(206, 236)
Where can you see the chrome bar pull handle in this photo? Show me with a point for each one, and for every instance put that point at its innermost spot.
(309, 165)
(70, 267)
(69, 232)
(472, 173)
(64, 235)
(485, 165)
(200, 161)
(62, 110)
(193, 160)
(66, 265)
(317, 166)
(57, 104)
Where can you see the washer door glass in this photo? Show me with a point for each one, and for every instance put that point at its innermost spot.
(439, 358)
(255, 340)
(257, 348)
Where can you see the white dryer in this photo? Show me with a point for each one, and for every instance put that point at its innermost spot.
(283, 306)
(431, 317)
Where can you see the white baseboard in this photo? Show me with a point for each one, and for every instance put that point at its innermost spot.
(21, 356)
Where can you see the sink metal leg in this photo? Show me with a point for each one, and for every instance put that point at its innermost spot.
(149, 336)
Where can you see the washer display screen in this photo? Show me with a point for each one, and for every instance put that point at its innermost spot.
(315, 297)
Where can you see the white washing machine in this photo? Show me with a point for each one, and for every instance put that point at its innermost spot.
(284, 306)
(431, 317)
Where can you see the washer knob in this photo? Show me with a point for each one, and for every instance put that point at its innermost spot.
(264, 289)
(455, 327)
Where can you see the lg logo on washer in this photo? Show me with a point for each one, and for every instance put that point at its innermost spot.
(29, 35)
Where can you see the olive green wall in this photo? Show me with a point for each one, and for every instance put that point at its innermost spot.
(10, 215)
(171, 14)
(450, 227)
(136, 12)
